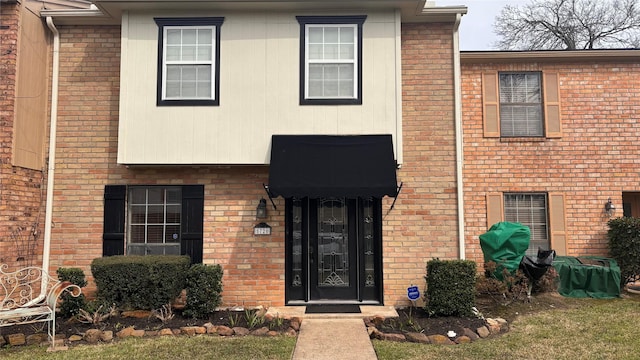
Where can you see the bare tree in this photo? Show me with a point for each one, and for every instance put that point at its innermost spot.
(569, 24)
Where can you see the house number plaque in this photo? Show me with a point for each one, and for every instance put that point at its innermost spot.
(262, 229)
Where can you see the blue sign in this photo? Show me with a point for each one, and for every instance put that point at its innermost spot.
(413, 293)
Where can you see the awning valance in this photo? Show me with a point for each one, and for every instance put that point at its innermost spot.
(332, 166)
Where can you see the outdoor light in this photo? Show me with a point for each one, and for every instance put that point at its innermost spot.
(261, 210)
(609, 208)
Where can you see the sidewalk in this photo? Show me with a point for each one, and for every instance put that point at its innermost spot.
(333, 336)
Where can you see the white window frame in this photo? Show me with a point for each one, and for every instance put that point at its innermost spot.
(353, 61)
(188, 23)
(211, 62)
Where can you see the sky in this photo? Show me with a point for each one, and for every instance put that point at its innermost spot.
(476, 27)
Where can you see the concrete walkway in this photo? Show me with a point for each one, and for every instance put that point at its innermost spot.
(333, 336)
(331, 339)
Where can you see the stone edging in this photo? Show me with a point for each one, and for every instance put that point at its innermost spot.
(491, 327)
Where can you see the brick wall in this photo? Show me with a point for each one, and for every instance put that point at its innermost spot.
(421, 226)
(423, 223)
(596, 158)
(21, 190)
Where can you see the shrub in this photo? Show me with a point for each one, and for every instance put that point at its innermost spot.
(624, 247)
(71, 305)
(450, 287)
(204, 286)
(140, 282)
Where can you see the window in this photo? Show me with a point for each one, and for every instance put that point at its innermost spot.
(147, 220)
(154, 220)
(188, 61)
(530, 210)
(520, 105)
(331, 60)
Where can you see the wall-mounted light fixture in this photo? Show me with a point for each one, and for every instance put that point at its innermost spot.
(609, 208)
(261, 210)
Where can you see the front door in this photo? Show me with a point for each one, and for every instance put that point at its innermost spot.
(333, 250)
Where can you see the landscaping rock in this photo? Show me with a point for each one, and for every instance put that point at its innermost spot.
(374, 333)
(126, 332)
(417, 338)
(483, 332)
(470, 334)
(2, 341)
(16, 339)
(224, 331)
(74, 338)
(137, 333)
(393, 337)
(378, 320)
(92, 336)
(462, 340)
(189, 330)
(291, 332)
(504, 325)
(150, 333)
(272, 333)
(138, 314)
(493, 325)
(106, 336)
(261, 331)
(295, 323)
(165, 332)
(240, 331)
(211, 329)
(176, 332)
(35, 339)
(440, 340)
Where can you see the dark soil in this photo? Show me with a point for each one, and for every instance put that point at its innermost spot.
(414, 320)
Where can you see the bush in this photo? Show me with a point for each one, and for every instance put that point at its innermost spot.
(624, 247)
(140, 282)
(71, 305)
(450, 287)
(204, 286)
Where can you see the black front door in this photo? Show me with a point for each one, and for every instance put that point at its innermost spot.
(333, 250)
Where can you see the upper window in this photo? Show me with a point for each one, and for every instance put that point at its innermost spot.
(330, 60)
(188, 61)
(530, 210)
(154, 220)
(521, 105)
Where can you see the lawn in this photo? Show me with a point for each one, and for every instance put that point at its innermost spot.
(589, 329)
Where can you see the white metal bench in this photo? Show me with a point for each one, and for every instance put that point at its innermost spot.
(23, 302)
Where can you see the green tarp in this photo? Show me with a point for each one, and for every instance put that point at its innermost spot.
(588, 276)
(505, 244)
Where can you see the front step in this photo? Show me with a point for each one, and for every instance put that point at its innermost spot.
(365, 311)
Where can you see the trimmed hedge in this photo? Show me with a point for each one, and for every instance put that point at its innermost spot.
(71, 305)
(140, 282)
(204, 286)
(450, 287)
(624, 247)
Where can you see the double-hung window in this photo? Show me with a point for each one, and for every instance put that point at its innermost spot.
(529, 209)
(330, 60)
(188, 61)
(521, 112)
(154, 220)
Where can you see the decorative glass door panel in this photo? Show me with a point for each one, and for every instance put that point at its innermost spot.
(333, 243)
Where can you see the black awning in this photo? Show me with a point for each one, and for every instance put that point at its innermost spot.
(339, 166)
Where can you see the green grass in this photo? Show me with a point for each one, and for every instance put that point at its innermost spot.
(599, 329)
(182, 347)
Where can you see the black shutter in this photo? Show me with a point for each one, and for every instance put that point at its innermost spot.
(114, 218)
(192, 222)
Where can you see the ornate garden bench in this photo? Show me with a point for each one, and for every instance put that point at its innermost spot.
(21, 301)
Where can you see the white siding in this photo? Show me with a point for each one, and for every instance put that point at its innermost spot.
(259, 93)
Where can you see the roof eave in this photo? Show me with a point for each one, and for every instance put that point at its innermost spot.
(476, 57)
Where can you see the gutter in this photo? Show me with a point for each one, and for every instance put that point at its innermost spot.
(457, 114)
(52, 148)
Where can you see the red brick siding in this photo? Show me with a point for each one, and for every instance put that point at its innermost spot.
(21, 190)
(596, 158)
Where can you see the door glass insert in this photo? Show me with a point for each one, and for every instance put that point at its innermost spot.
(333, 241)
(296, 266)
(369, 250)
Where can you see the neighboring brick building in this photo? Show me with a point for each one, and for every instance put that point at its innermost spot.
(557, 167)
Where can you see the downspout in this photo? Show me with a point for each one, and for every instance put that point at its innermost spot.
(458, 127)
(52, 149)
